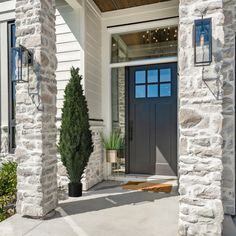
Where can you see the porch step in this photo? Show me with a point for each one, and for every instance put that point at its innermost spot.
(160, 179)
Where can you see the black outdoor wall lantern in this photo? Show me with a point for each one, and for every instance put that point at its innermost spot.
(21, 61)
(203, 41)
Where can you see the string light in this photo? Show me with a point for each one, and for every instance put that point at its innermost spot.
(155, 35)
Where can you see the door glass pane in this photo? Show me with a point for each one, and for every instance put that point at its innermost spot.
(140, 91)
(140, 77)
(165, 90)
(152, 90)
(152, 76)
(165, 75)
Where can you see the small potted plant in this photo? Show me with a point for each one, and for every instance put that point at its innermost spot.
(75, 143)
(113, 144)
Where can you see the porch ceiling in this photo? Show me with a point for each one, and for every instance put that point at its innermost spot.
(113, 5)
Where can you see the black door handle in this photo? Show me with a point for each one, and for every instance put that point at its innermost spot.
(131, 130)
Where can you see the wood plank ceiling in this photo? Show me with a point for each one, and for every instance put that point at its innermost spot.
(112, 5)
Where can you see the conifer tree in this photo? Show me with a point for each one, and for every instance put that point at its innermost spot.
(75, 143)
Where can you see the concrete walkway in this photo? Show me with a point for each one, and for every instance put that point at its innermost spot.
(106, 210)
(229, 226)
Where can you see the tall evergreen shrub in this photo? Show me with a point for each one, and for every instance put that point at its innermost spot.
(75, 143)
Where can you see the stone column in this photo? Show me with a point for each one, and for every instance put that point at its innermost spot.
(200, 122)
(36, 110)
(228, 69)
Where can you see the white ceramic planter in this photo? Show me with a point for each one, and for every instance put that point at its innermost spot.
(111, 156)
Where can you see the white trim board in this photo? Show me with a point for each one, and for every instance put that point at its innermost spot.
(141, 14)
(75, 4)
(133, 11)
(144, 26)
(7, 11)
(145, 62)
(7, 6)
(4, 94)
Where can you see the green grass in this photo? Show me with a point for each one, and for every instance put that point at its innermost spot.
(113, 142)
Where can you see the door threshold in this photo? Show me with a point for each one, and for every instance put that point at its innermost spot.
(150, 178)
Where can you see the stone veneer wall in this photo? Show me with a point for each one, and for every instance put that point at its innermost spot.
(94, 172)
(121, 99)
(206, 121)
(4, 144)
(36, 110)
(228, 70)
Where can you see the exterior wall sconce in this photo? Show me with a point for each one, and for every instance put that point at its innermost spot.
(21, 61)
(203, 41)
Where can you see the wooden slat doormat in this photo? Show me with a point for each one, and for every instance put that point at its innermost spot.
(148, 186)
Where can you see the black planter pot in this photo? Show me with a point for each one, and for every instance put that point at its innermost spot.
(75, 189)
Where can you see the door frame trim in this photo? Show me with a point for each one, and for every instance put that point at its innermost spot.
(127, 105)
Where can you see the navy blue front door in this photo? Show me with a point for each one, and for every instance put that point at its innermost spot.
(152, 119)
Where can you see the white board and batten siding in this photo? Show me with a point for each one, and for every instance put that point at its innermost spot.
(68, 51)
(93, 47)
(7, 14)
(72, 32)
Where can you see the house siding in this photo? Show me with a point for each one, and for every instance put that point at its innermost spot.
(81, 47)
(7, 14)
(68, 50)
(94, 172)
(93, 54)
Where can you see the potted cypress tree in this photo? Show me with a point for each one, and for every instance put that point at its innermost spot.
(75, 145)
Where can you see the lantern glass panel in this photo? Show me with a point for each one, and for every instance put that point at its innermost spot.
(22, 59)
(203, 41)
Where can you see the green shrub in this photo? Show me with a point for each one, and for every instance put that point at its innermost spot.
(75, 145)
(8, 181)
(114, 141)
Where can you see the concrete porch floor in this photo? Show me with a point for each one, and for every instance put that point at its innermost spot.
(105, 210)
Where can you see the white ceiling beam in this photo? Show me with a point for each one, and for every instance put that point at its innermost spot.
(7, 6)
(75, 4)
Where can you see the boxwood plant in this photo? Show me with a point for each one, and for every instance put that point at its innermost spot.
(8, 181)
